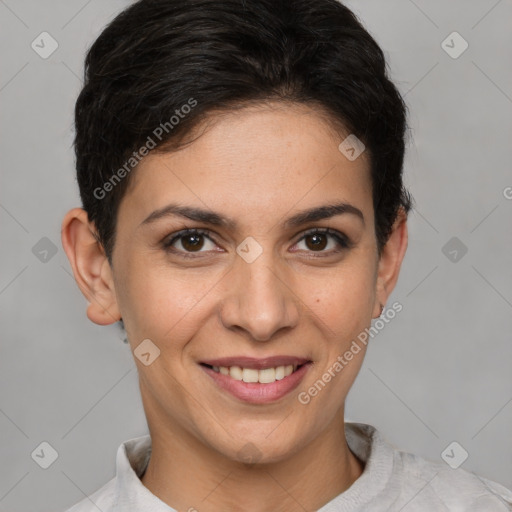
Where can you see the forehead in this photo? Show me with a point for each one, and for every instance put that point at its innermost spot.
(255, 160)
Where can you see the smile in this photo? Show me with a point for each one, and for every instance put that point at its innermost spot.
(257, 380)
(265, 376)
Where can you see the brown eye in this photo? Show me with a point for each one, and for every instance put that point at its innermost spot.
(316, 242)
(189, 241)
(192, 242)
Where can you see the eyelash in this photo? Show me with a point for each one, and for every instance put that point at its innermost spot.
(340, 238)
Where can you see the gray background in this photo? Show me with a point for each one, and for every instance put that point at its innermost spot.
(439, 372)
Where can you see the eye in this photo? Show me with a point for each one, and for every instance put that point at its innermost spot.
(189, 241)
(317, 240)
(193, 240)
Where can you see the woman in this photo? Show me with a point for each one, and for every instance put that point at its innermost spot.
(244, 216)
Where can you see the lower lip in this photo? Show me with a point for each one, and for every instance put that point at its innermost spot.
(255, 392)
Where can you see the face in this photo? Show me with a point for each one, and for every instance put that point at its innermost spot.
(254, 278)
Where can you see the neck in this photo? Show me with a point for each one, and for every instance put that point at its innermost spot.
(187, 475)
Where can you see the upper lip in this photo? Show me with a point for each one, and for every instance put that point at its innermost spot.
(256, 363)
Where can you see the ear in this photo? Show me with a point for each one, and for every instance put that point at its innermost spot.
(390, 262)
(90, 267)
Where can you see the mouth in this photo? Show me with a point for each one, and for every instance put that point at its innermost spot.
(257, 380)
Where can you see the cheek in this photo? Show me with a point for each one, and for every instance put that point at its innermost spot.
(342, 299)
(161, 304)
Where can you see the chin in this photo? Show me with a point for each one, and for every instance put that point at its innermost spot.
(254, 452)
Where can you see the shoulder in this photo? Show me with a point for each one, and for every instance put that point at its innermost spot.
(102, 499)
(450, 489)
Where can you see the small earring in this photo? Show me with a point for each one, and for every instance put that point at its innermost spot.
(124, 337)
(381, 311)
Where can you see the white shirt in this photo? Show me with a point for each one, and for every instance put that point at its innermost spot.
(392, 481)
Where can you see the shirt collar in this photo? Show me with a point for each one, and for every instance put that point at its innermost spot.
(363, 440)
(366, 442)
(130, 494)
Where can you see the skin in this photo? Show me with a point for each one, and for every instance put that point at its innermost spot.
(258, 166)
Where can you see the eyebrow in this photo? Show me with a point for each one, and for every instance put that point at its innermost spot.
(215, 219)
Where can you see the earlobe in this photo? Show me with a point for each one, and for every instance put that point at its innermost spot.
(90, 267)
(390, 261)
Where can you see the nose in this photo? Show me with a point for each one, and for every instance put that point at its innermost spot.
(260, 299)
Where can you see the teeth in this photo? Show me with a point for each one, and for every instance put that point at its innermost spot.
(265, 376)
(235, 372)
(250, 375)
(280, 372)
